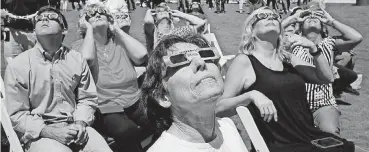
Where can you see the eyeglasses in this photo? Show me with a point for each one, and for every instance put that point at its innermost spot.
(261, 16)
(121, 16)
(92, 12)
(183, 58)
(49, 16)
(310, 14)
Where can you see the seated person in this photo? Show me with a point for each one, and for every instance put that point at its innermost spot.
(159, 22)
(271, 82)
(112, 54)
(180, 98)
(50, 94)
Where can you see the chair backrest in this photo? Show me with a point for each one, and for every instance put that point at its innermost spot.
(252, 130)
(15, 145)
(214, 43)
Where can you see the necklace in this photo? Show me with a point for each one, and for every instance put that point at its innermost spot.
(105, 52)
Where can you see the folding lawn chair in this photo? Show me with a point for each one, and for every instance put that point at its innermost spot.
(15, 145)
(252, 130)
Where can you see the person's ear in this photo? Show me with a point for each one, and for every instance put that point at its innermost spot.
(164, 102)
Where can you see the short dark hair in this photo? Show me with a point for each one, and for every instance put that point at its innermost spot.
(64, 25)
(152, 88)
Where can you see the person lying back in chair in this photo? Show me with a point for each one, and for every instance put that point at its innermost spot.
(50, 95)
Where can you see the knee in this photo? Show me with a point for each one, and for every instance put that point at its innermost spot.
(330, 127)
(45, 144)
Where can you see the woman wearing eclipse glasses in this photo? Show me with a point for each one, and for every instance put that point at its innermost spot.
(180, 91)
(160, 21)
(111, 54)
(313, 26)
(271, 82)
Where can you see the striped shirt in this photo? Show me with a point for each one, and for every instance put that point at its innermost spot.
(319, 95)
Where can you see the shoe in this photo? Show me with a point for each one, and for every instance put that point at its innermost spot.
(351, 91)
(223, 11)
(357, 83)
(217, 12)
(240, 11)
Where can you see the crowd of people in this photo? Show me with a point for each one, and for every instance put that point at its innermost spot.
(288, 73)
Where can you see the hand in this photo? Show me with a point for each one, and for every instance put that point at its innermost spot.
(86, 23)
(298, 18)
(64, 135)
(265, 106)
(343, 59)
(325, 17)
(177, 13)
(296, 40)
(82, 136)
(4, 13)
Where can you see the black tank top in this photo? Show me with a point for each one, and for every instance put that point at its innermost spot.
(295, 128)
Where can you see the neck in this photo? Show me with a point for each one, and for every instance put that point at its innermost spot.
(197, 126)
(314, 37)
(101, 36)
(50, 43)
(266, 47)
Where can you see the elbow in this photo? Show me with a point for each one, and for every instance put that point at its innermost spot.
(358, 39)
(141, 60)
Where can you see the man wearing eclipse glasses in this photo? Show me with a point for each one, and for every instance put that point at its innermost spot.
(51, 97)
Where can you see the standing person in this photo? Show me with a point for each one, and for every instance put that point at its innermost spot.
(64, 5)
(131, 3)
(50, 94)
(76, 1)
(220, 6)
(210, 2)
(111, 55)
(272, 85)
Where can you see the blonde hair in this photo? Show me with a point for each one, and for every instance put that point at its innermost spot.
(247, 45)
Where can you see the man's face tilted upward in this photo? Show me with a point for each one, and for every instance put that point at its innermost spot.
(48, 23)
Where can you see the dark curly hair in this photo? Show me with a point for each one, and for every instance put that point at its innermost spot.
(152, 88)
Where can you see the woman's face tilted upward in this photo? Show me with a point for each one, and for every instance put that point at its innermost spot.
(266, 23)
(193, 84)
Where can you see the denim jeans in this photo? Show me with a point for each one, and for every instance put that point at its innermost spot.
(95, 143)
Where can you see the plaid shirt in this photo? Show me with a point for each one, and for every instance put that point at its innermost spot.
(319, 95)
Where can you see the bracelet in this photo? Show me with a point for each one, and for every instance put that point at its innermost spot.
(316, 53)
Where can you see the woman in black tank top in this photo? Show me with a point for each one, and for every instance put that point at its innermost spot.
(271, 82)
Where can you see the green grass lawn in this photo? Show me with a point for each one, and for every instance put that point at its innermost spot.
(228, 28)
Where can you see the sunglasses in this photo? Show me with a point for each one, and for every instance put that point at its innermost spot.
(121, 16)
(261, 16)
(92, 12)
(49, 16)
(183, 58)
(310, 14)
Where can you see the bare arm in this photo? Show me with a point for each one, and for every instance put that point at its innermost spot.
(136, 51)
(194, 20)
(234, 83)
(350, 37)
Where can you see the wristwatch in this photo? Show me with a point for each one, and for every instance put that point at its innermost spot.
(317, 52)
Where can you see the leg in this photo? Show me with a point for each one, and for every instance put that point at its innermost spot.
(129, 7)
(73, 6)
(133, 4)
(217, 5)
(222, 5)
(347, 77)
(240, 5)
(123, 130)
(327, 119)
(96, 142)
(45, 145)
(211, 4)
